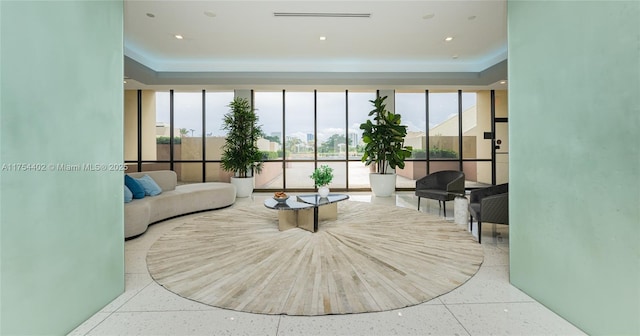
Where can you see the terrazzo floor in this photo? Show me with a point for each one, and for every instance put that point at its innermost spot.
(485, 305)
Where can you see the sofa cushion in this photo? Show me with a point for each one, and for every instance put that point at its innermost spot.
(136, 188)
(128, 195)
(166, 179)
(151, 188)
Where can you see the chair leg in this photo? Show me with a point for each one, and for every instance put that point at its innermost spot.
(418, 203)
(470, 222)
(444, 206)
(479, 232)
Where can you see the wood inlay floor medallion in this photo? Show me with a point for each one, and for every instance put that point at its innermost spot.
(372, 258)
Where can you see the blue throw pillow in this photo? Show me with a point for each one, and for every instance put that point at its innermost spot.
(134, 186)
(128, 195)
(151, 188)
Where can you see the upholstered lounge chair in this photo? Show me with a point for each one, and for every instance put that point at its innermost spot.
(442, 186)
(489, 205)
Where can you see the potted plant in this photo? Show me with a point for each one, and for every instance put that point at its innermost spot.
(384, 146)
(240, 153)
(322, 177)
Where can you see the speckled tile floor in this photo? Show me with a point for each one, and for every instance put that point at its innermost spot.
(486, 305)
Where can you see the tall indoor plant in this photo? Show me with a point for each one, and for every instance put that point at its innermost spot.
(240, 151)
(384, 146)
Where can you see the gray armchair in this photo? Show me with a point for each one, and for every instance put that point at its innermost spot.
(489, 205)
(442, 186)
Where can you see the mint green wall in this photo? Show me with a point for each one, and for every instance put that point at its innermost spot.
(574, 117)
(62, 249)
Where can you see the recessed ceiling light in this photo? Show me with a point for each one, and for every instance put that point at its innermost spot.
(472, 17)
(448, 38)
(454, 56)
(150, 15)
(428, 16)
(323, 38)
(179, 37)
(210, 13)
(125, 82)
(503, 82)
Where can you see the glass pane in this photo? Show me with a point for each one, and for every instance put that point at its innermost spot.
(299, 126)
(359, 107)
(268, 107)
(339, 173)
(271, 176)
(298, 175)
(216, 174)
(331, 119)
(188, 172)
(216, 105)
(187, 117)
(443, 125)
(412, 171)
(476, 121)
(358, 175)
(148, 122)
(435, 166)
(131, 167)
(155, 166)
(412, 108)
(162, 126)
(131, 125)
(502, 107)
(477, 174)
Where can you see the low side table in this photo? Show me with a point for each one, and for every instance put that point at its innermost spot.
(292, 214)
(325, 208)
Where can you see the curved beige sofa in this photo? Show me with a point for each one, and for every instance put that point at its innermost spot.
(174, 200)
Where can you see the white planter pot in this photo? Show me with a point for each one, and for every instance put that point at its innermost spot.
(244, 185)
(382, 185)
(323, 191)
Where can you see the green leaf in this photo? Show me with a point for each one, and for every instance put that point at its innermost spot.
(240, 151)
(384, 138)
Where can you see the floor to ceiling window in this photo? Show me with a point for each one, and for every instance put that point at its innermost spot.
(358, 108)
(476, 122)
(269, 107)
(331, 131)
(303, 130)
(299, 140)
(443, 139)
(187, 120)
(216, 106)
(412, 107)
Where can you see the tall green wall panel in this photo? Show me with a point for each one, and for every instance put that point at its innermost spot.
(574, 117)
(62, 237)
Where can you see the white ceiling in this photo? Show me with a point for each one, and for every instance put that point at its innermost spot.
(232, 38)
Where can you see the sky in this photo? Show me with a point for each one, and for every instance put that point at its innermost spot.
(299, 111)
